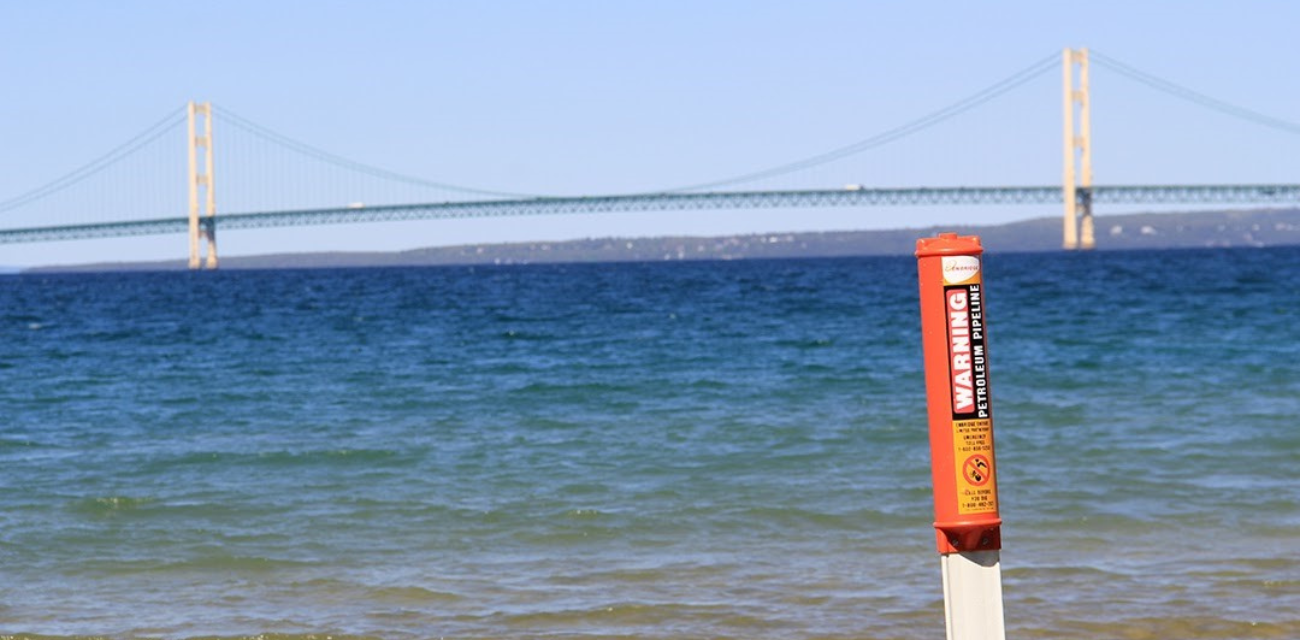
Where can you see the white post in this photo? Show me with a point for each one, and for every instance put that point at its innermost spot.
(972, 595)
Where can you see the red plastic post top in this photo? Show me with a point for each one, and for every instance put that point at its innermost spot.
(948, 244)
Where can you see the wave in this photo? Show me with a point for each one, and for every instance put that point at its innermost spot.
(112, 505)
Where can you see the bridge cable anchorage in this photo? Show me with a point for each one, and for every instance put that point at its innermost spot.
(319, 154)
(1195, 97)
(972, 101)
(117, 154)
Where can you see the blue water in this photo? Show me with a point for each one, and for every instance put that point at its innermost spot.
(676, 450)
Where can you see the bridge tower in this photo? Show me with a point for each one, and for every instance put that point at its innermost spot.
(203, 222)
(1077, 181)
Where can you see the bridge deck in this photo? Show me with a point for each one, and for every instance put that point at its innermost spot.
(848, 197)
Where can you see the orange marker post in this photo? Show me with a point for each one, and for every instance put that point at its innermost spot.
(967, 524)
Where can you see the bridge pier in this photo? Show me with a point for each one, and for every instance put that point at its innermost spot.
(203, 222)
(1077, 178)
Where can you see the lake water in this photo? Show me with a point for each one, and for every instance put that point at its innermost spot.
(675, 450)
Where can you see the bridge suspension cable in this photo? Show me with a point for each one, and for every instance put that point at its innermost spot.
(274, 137)
(698, 196)
(1194, 97)
(1039, 68)
(119, 153)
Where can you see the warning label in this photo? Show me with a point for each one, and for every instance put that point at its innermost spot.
(972, 443)
(968, 378)
(967, 358)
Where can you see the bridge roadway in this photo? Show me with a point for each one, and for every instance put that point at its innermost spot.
(846, 197)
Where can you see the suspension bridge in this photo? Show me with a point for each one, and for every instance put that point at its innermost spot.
(41, 215)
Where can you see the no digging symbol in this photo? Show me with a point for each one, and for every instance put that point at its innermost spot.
(977, 470)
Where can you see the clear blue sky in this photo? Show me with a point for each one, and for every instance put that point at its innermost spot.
(605, 97)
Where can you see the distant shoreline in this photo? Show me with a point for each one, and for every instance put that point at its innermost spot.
(1244, 228)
